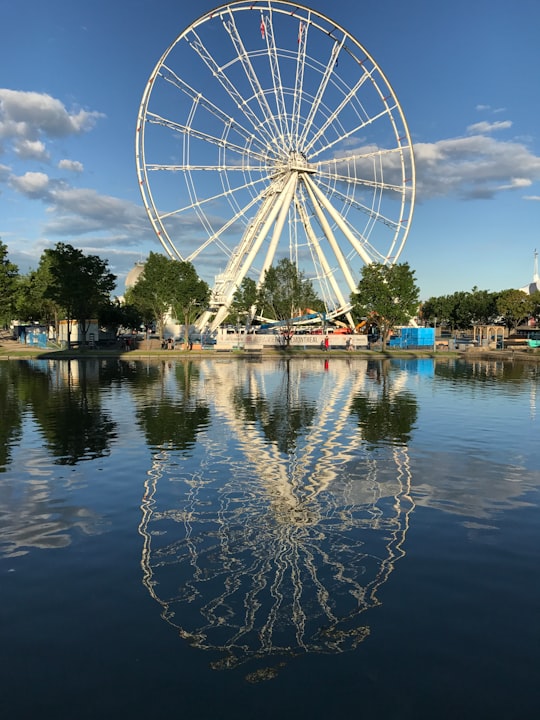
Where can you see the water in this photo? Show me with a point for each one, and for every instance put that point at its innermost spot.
(318, 538)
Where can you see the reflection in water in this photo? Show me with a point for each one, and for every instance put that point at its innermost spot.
(280, 552)
(60, 403)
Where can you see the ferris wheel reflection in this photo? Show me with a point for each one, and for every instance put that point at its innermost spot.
(272, 536)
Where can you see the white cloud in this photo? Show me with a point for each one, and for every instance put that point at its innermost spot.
(32, 184)
(31, 115)
(534, 198)
(516, 183)
(71, 165)
(473, 167)
(76, 211)
(486, 127)
(31, 149)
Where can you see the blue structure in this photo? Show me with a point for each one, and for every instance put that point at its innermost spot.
(35, 335)
(413, 338)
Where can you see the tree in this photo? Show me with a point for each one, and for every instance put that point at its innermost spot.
(80, 284)
(9, 273)
(115, 314)
(388, 294)
(535, 301)
(190, 294)
(32, 303)
(286, 293)
(166, 286)
(244, 300)
(151, 294)
(462, 309)
(515, 306)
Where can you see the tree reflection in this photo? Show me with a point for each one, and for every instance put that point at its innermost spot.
(385, 412)
(75, 426)
(10, 417)
(176, 414)
(65, 399)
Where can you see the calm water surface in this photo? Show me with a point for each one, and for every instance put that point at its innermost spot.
(317, 538)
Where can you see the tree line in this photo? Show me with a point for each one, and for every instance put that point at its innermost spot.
(72, 286)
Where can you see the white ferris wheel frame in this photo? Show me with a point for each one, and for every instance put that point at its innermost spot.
(288, 147)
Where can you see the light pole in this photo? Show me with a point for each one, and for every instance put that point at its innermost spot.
(434, 334)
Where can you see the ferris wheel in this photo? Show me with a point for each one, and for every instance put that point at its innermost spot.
(267, 131)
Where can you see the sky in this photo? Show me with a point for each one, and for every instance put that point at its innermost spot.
(72, 75)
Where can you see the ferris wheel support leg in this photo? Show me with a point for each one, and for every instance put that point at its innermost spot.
(338, 219)
(284, 202)
(234, 274)
(325, 225)
(312, 237)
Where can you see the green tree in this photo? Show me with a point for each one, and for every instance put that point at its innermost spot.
(114, 314)
(286, 293)
(32, 303)
(535, 302)
(515, 306)
(483, 306)
(462, 309)
(388, 294)
(166, 286)
(190, 294)
(9, 274)
(244, 300)
(80, 285)
(151, 293)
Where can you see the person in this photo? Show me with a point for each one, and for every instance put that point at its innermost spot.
(326, 343)
(169, 343)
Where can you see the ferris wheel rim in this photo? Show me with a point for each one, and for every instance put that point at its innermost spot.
(254, 149)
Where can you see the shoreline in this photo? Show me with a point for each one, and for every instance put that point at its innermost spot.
(14, 351)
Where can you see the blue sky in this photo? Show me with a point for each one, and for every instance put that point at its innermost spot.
(466, 74)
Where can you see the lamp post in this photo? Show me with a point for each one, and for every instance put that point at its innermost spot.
(434, 334)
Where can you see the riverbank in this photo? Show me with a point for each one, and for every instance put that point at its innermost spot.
(12, 350)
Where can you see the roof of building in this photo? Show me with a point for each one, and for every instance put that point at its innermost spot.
(134, 274)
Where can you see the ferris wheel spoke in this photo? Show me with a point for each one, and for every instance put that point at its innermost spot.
(242, 104)
(199, 98)
(373, 214)
(251, 75)
(211, 199)
(353, 131)
(379, 154)
(191, 132)
(217, 235)
(323, 84)
(303, 30)
(362, 182)
(276, 77)
(345, 102)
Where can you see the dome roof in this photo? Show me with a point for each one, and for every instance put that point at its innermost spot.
(531, 288)
(134, 274)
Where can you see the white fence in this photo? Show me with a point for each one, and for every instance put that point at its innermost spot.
(252, 341)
